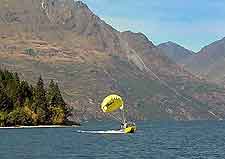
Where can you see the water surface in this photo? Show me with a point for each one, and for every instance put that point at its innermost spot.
(153, 140)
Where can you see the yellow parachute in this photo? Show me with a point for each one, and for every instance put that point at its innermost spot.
(112, 103)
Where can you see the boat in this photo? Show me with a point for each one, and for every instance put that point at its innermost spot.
(130, 129)
(114, 103)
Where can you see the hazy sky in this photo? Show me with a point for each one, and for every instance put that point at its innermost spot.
(190, 23)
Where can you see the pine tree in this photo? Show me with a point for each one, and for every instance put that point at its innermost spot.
(58, 97)
(24, 91)
(61, 103)
(23, 104)
(3, 118)
(16, 77)
(54, 96)
(51, 93)
(11, 83)
(40, 102)
(6, 104)
(57, 105)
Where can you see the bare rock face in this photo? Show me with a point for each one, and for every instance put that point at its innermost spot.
(67, 13)
(58, 12)
(62, 16)
(77, 17)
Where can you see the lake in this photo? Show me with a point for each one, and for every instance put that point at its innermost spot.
(153, 140)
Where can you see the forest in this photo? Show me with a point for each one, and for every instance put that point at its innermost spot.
(22, 104)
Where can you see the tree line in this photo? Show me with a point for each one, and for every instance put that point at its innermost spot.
(24, 104)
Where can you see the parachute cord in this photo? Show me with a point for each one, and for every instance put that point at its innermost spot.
(167, 85)
(123, 116)
(178, 94)
(174, 90)
(116, 118)
(160, 80)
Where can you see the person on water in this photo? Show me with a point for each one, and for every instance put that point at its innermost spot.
(127, 124)
(124, 125)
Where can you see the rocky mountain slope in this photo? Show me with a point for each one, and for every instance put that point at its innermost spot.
(175, 52)
(65, 41)
(210, 62)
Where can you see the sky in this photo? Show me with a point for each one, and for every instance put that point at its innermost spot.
(190, 23)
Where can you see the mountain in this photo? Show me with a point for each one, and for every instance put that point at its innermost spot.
(175, 52)
(209, 62)
(62, 19)
(65, 41)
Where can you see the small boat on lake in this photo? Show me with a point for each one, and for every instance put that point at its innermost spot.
(114, 103)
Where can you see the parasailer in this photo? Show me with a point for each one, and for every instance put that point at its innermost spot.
(114, 103)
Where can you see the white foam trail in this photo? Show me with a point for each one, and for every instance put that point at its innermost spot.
(102, 132)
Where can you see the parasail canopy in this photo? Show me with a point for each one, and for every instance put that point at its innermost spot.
(112, 103)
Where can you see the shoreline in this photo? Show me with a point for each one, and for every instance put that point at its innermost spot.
(40, 126)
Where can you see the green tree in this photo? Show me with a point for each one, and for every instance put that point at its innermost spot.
(23, 104)
(58, 108)
(19, 117)
(29, 113)
(54, 95)
(6, 103)
(51, 92)
(23, 92)
(3, 118)
(57, 115)
(40, 106)
(10, 83)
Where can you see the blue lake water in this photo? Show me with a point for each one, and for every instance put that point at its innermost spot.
(153, 140)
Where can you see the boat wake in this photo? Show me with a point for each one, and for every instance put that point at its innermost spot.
(102, 132)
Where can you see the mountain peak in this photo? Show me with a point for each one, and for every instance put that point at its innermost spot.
(175, 52)
(219, 44)
(138, 40)
(63, 4)
(77, 3)
(173, 44)
(209, 61)
(80, 4)
(138, 34)
(170, 44)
